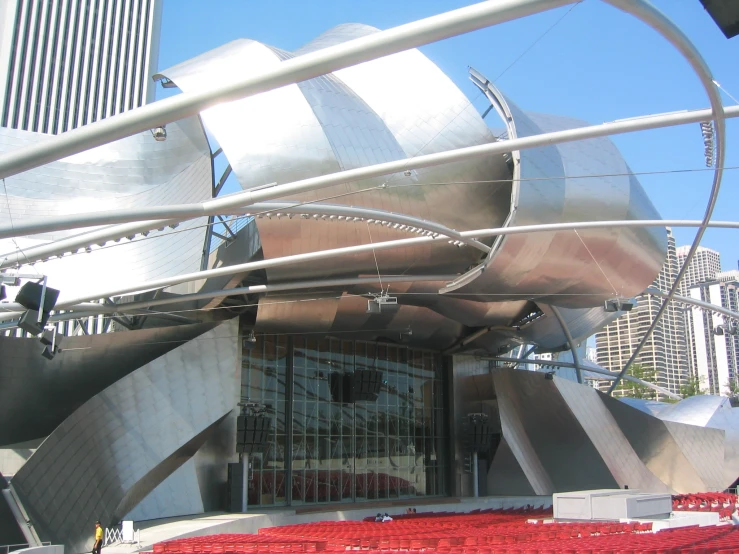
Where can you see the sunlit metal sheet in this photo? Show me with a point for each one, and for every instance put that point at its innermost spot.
(133, 172)
(131, 437)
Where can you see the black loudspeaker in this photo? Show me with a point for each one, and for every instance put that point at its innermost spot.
(366, 384)
(480, 436)
(30, 324)
(725, 13)
(252, 433)
(340, 387)
(3, 294)
(235, 487)
(362, 385)
(30, 297)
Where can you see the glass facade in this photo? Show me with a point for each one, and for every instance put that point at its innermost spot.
(325, 449)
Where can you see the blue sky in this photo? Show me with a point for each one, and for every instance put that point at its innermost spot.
(590, 62)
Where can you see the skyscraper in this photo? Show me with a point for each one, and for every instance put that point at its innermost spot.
(665, 352)
(715, 349)
(67, 63)
(703, 267)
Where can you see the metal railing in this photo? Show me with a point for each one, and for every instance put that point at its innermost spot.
(7, 548)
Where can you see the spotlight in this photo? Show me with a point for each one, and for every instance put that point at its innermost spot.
(619, 305)
(10, 280)
(159, 133)
(249, 341)
(549, 376)
(382, 303)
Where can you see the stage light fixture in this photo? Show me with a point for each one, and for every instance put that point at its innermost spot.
(159, 133)
(619, 305)
(382, 303)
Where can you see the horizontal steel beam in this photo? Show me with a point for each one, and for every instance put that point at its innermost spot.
(88, 309)
(694, 302)
(350, 250)
(249, 197)
(605, 373)
(116, 232)
(300, 68)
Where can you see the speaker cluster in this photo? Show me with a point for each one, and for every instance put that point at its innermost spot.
(480, 434)
(363, 385)
(252, 433)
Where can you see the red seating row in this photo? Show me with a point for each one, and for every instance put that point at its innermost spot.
(483, 532)
(704, 502)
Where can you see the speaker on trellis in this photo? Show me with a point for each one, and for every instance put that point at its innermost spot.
(252, 433)
(480, 434)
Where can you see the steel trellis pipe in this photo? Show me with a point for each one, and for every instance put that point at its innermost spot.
(607, 374)
(166, 215)
(300, 68)
(570, 341)
(695, 302)
(87, 310)
(337, 252)
(655, 19)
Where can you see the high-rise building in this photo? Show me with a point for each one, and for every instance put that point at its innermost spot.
(67, 63)
(715, 349)
(703, 267)
(665, 354)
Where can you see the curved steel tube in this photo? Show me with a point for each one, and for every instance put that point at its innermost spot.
(116, 232)
(323, 254)
(300, 68)
(181, 212)
(667, 29)
(85, 310)
(568, 336)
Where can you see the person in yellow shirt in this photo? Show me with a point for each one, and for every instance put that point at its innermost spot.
(98, 538)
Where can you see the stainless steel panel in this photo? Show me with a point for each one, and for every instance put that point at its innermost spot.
(116, 448)
(578, 181)
(654, 443)
(604, 433)
(349, 130)
(134, 172)
(704, 449)
(39, 394)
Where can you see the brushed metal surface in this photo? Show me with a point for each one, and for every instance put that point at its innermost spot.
(603, 431)
(134, 172)
(548, 424)
(576, 181)
(332, 123)
(116, 448)
(654, 443)
(36, 394)
(361, 115)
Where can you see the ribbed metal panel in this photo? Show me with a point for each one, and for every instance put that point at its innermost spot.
(77, 61)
